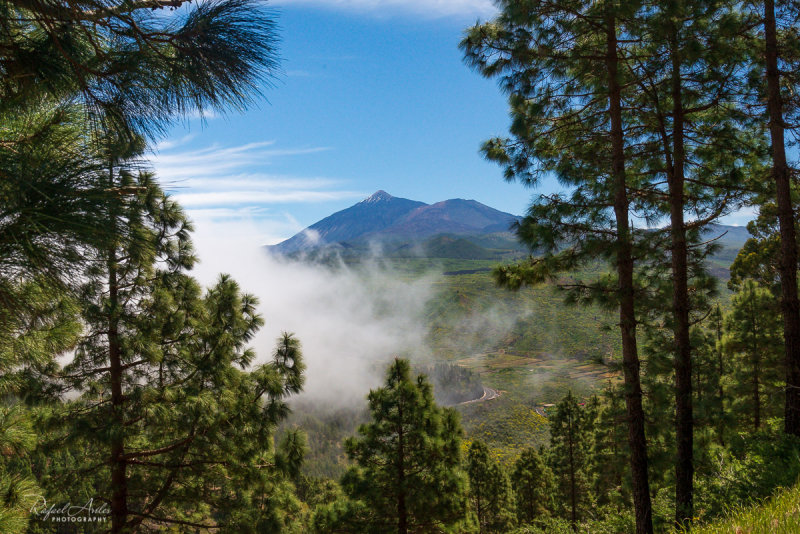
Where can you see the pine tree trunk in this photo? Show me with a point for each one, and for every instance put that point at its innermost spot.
(720, 370)
(570, 441)
(627, 310)
(756, 361)
(684, 423)
(119, 478)
(529, 500)
(402, 513)
(788, 262)
(756, 392)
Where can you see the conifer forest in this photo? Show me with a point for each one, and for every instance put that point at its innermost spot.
(616, 359)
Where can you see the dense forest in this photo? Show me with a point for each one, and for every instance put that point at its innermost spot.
(639, 391)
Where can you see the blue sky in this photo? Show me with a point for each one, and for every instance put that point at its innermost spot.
(373, 94)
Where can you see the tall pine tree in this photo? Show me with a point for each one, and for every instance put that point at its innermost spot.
(168, 426)
(408, 475)
(532, 481)
(688, 69)
(569, 455)
(753, 344)
(563, 65)
(775, 77)
(489, 490)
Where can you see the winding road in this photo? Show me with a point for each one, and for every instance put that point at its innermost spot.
(488, 394)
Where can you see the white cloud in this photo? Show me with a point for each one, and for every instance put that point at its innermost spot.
(227, 188)
(349, 321)
(217, 178)
(312, 236)
(168, 144)
(244, 197)
(216, 160)
(252, 181)
(221, 229)
(741, 217)
(432, 8)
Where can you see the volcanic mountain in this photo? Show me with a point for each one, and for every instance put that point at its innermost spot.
(384, 218)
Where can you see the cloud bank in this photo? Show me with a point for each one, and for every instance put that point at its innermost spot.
(349, 322)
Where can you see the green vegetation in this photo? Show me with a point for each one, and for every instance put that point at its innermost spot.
(407, 476)
(622, 393)
(489, 490)
(779, 515)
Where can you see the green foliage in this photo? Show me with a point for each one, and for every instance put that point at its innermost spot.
(506, 425)
(452, 384)
(133, 65)
(751, 468)
(19, 492)
(489, 490)
(408, 476)
(40, 325)
(50, 195)
(611, 485)
(469, 313)
(778, 515)
(569, 457)
(532, 481)
(759, 257)
(753, 343)
(168, 426)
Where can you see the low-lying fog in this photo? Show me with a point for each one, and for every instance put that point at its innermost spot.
(348, 322)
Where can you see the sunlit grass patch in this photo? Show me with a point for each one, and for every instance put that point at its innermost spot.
(779, 515)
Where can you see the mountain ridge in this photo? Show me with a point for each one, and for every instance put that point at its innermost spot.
(382, 217)
(454, 228)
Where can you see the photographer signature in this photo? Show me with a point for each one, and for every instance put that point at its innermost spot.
(51, 512)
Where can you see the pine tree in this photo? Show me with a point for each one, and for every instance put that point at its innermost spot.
(532, 481)
(775, 61)
(489, 490)
(19, 492)
(563, 65)
(687, 71)
(50, 199)
(760, 256)
(609, 451)
(41, 325)
(570, 442)
(77, 72)
(168, 428)
(716, 326)
(408, 476)
(710, 418)
(134, 65)
(753, 345)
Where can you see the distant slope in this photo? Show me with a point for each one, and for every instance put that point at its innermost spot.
(727, 236)
(372, 214)
(456, 216)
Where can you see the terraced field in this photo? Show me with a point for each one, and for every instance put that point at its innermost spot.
(519, 374)
(527, 385)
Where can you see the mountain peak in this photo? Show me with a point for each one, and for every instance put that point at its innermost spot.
(382, 217)
(377, 196)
